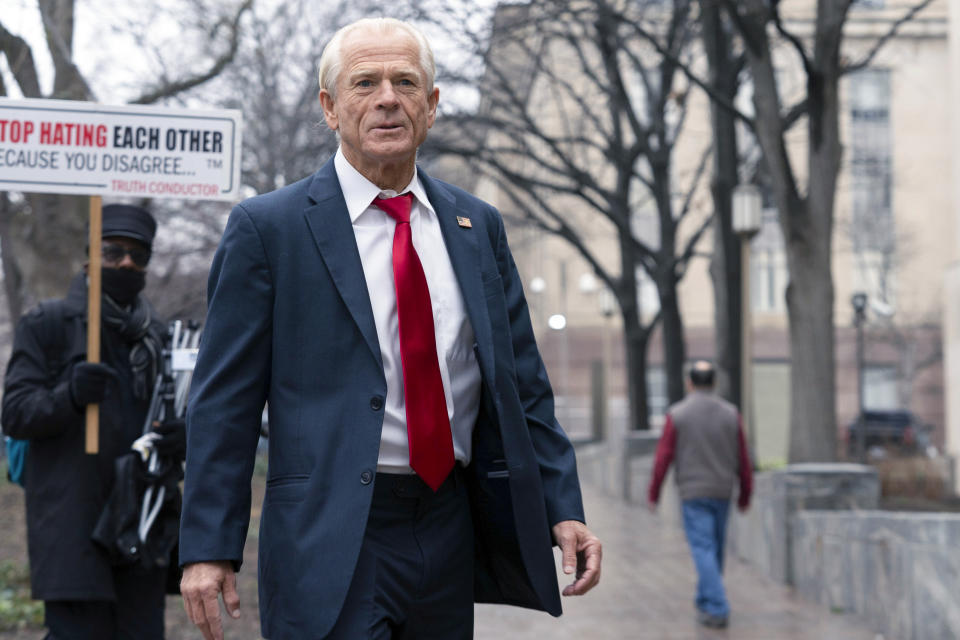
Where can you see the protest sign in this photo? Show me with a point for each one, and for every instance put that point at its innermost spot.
(63, 146)
(83, 148)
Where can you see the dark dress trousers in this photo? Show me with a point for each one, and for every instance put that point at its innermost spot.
(290, 322)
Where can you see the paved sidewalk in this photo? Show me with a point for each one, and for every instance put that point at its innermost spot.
(646, 592)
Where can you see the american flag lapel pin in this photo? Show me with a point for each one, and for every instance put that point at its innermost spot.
(464, 222)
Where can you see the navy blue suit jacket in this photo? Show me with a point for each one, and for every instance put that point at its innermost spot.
(290, 322)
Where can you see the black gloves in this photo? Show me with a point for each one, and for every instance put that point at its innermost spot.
(88, 383)
(173, 438)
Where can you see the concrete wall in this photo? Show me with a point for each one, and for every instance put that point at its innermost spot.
(762, 536)
(900, 571)
(816, 527)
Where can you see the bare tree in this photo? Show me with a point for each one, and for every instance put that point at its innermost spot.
(880, 251)
(577, 126)
(39, 232)
(806, 216)
(275, 84)
(917, 346)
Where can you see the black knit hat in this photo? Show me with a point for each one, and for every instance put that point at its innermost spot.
(128, 221)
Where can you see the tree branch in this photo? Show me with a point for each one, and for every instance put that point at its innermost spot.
(718, 99)
(69, 83)
(892, 32)
(168, 89)
(750, 38)
(697, 177)
(493, 159)
(792, 39)
(20, 60)
(793, 115)
(690, 250)
(562, 229)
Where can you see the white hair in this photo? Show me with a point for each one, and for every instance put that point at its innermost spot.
(331, 60)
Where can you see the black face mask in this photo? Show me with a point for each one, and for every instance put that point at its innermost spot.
(123, 285)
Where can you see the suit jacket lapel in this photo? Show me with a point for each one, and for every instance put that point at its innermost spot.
(464, 249)
(330, 225)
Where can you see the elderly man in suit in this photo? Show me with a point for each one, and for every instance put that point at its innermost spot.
(415, 462)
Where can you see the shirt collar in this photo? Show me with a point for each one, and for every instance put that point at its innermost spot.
(358, 192)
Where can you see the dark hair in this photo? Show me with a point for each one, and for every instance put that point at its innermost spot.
(701, 374)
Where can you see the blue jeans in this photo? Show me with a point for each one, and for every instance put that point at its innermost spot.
(705, 523)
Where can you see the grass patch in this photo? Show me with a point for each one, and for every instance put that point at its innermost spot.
(771, 465)
(17, 610)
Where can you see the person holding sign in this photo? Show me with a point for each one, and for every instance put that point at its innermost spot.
(416, 464)
(46, 389)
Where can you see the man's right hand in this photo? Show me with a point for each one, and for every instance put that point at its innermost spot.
(88, 382)
(201, 584)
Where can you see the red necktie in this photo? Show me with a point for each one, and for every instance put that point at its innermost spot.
(428, 427)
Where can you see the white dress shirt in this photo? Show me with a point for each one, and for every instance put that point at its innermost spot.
(455, 339)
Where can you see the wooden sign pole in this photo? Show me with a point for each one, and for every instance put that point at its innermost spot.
(93, 316)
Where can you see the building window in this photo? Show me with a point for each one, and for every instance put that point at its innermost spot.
(872, 231)
(880, 388)
(874, 274)
(768, 267)
(871, 163)
(657, 400)
(867, 4)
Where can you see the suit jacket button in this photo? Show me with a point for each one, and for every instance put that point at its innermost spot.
(376, 403)
(366, 477)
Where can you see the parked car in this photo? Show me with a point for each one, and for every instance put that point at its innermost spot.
(897, 429)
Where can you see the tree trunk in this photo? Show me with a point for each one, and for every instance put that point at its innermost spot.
(674, 346)
(813, 428)
(809, 253)
(47, 246)
(12, 280)
(807, 222)
(725, 268)
(635, 339)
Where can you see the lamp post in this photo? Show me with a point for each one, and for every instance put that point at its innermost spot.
(859, 303)
(747, 218)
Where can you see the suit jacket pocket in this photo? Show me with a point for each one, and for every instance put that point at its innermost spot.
(286, 489)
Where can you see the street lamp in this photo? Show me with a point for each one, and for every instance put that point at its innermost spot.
(747, 218)
(859, 302)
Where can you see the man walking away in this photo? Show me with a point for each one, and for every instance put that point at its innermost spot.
(703, 434)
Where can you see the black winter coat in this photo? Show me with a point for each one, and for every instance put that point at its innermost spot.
(66, 489)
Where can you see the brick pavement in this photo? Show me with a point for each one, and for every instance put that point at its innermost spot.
(647, 592)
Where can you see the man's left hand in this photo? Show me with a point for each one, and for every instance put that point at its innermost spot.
(581, 550)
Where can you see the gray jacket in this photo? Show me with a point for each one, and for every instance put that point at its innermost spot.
(703, 436)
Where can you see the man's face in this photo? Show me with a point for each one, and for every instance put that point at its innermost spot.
(383, 108)
(120, 252)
